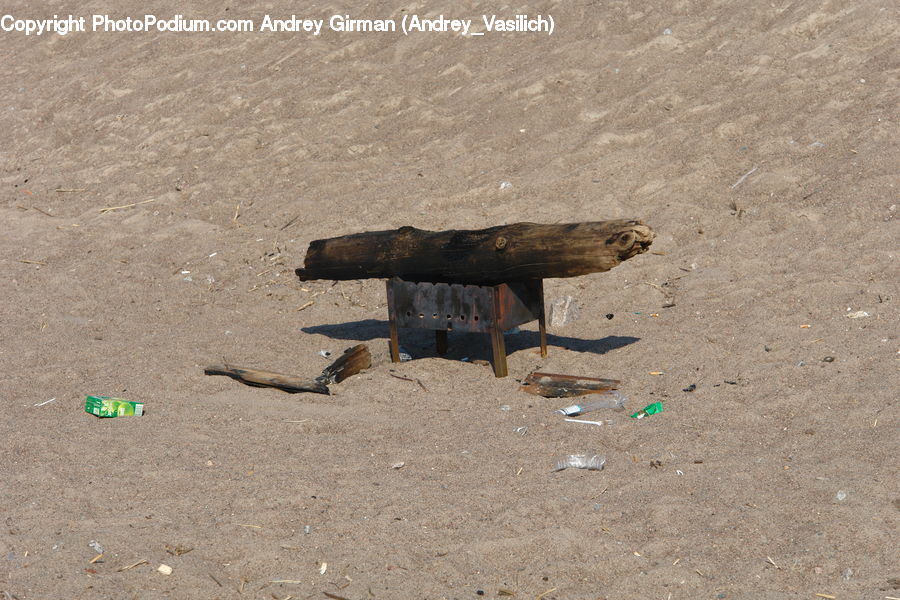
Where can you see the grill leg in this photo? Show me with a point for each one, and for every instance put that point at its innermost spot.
(440, 338)
(542, 321)
(498, 345)
(395, 343)
(395, 338)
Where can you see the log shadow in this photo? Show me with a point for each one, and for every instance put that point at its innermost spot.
(420, 343)
(360, 331)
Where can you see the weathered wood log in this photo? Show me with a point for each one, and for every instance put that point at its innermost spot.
(553, 385)
(258, 378)
(351, 362)
(499, 254)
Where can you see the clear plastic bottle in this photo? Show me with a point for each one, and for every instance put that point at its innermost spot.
(610, 399)
(591, 462)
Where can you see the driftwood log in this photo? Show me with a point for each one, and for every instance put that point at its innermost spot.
(499, 254)
(351, 362)
(260, 378)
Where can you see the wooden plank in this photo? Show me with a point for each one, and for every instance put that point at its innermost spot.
(553, 385)
(351, 362)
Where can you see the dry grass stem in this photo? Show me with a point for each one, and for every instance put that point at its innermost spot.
(133, 565)
(133, 204)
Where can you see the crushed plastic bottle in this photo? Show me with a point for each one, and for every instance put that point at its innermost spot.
(591, 462)
(610, 399)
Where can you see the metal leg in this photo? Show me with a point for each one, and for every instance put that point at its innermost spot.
(395, 343)
(440, 338)
(498, 345)
(542, 320)
(395, 338)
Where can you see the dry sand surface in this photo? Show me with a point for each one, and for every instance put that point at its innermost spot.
(758, 139)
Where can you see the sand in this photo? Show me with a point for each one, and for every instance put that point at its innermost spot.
(760, 142)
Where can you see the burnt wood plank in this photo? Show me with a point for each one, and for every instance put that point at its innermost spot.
(553, 385)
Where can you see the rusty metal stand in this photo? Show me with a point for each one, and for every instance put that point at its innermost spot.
(444, 307)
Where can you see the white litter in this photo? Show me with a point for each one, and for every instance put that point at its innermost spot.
(588, 422)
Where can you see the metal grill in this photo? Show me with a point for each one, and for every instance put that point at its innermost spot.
(444, 307)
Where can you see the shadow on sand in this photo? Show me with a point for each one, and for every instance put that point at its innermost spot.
(420, 343)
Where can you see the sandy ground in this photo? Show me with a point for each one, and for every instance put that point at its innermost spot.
(758, 139)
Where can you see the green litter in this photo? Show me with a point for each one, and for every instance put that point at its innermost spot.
(650, 409)
(107, 406)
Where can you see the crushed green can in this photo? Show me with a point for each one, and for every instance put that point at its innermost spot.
(107, 406)
(650, 409)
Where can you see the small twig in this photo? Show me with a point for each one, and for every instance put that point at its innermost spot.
(307, 305)
(285, 581)
(668, 294)
(743, 177)
(62, 190)
(289, 223)
(33, 262)
(421, 385)
(43, 211)
(216, 580)
(540, 596)
(402, 378)
(110, 208)
(131, 566)
(178, 550)
(237, 213)
(96, 558)
(772, 562)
